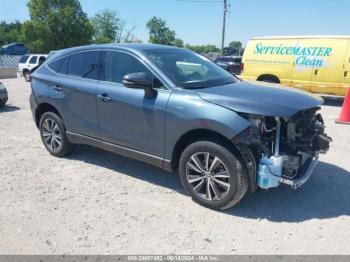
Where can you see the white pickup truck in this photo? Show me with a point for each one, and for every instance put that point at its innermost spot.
(28, 62)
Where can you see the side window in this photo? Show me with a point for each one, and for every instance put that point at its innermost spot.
(64, 66)
(117, 64)
(42, 59)
(57, 65)
(83, 64)
(33, 60)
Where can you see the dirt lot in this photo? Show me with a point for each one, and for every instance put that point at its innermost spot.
(94, 202)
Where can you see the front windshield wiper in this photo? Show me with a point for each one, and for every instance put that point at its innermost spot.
(205, 85)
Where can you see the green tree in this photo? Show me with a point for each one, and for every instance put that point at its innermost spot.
(160, 33)
(203, 48)
(105, 25)
(109, 27)
(56, 24)
(235, 44)
(178, 42)
(9, 32)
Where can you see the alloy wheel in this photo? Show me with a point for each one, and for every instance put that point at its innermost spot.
(208, 176)
(52, 135)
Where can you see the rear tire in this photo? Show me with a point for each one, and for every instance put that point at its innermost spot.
(2, 103)
(53, 135)
(212, 175)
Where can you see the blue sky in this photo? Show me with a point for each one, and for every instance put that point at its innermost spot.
(200, 22)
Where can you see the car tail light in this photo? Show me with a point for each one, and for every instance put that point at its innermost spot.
(242, 67)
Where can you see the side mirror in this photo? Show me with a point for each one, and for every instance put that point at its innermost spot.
(140, 80)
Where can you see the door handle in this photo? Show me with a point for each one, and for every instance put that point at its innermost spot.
(316, 72)
(57, 88)
(346, 73)
(104, 98)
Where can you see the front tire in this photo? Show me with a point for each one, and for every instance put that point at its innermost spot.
(53, 135)
(27, 76)
(213, 175)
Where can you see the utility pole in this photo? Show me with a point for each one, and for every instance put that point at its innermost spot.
(223, 28)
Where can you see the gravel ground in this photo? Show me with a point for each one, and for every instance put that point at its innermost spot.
(94, 202)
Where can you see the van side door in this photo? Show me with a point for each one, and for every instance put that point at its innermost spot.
(345, 83)
(126, 116)
(328, 65)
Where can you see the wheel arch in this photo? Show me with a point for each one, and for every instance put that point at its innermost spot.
(269, 78)
(196, 135)
(42, 109)
(244, 153)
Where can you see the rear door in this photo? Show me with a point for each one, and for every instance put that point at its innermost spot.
(74, 92)
(345, 83)
(328, 65)
(41, 59)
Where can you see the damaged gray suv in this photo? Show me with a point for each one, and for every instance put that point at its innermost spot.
(181, 112)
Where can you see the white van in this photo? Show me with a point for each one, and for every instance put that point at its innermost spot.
(28, 63)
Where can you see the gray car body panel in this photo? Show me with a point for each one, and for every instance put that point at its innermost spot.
(260, 99)
(156, 124)
(186, 112)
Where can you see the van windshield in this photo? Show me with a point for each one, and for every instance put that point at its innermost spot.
(188, 69)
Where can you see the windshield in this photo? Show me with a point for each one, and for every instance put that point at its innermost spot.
(189, 70)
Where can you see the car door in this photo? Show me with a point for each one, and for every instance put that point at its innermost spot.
(329, 69)
(32, 62)
(346, 72)
(74, 91)
(126, 116)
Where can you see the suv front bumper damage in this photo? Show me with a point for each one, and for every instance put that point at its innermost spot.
(286, 149)
(298, 182)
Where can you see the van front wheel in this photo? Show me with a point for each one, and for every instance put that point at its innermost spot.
(212, 175)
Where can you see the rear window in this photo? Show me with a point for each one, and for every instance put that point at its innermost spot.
(24, 59)
(59, 66)
(237, 60)
(83, 64)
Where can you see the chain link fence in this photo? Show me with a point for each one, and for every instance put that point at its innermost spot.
(9, 61)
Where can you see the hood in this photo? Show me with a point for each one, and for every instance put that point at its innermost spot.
(260, 99)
